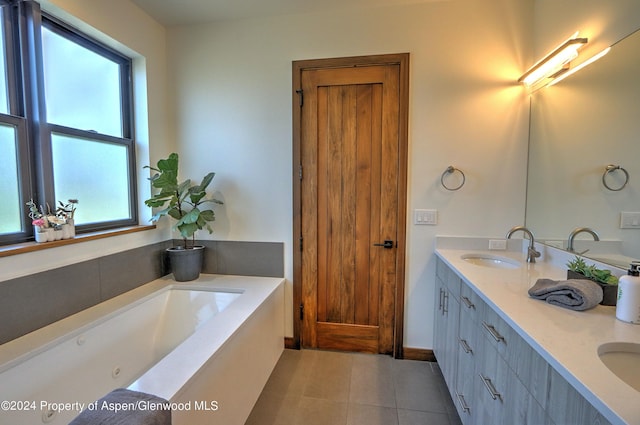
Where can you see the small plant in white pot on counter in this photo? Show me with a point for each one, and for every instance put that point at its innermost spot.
(186, 203)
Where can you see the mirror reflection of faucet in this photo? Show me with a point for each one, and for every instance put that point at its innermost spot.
(575, 232)
(532, 253)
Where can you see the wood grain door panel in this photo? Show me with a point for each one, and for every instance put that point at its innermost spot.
(342, 312)
(350, 157)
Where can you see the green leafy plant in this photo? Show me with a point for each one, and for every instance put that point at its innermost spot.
(181, 200)
(578, 265)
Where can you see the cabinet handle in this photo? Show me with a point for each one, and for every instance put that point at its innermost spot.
(465, 346)
(440, 306)
(463, 403)
(445, 303)
(489, 386)
(493, 332)
(468, 303)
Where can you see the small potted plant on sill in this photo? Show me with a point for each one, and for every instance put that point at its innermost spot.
(182, 201)
(578, 269)
(51, 226)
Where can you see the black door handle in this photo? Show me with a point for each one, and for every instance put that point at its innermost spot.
(386, 244)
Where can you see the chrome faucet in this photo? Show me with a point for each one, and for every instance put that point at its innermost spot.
(532, 253)
(575, 232)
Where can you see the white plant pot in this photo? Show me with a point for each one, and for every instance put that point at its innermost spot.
(72, 228)
(41, 236)
(44, 235)
(66, 231)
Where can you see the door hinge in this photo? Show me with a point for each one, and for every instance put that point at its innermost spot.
(301, 311)
(300, 96)
(300, 171)
(300, 240)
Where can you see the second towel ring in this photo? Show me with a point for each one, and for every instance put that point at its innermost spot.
(450, 170)
(611, 168)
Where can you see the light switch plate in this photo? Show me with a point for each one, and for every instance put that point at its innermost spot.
(425, 217)
(630, 220)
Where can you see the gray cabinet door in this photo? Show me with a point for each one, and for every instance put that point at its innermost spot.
(469, 354)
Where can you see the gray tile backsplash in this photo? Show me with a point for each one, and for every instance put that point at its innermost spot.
(244, 258)
(30, 302)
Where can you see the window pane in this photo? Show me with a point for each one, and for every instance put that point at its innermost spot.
(82, 88)
(96, 174)
(10, 206)
(4, 97)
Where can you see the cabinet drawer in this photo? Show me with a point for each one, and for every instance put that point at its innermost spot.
(441, 269)
(490, 385)
(496, 331)
(453, 283)
(529, 367)
(567, 406)
(471, 303)
(468, 355)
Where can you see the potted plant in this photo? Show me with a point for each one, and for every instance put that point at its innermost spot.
(51, 226)
(578, 269)
(182, 201)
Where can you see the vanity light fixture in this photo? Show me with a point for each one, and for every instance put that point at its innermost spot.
(555, 63)
(573, 70)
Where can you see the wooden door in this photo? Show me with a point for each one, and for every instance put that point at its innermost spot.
(351, 151)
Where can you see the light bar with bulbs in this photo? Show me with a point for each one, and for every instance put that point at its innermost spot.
(554, 64)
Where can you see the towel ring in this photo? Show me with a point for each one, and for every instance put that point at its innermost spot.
(450, 170)
(610, 169)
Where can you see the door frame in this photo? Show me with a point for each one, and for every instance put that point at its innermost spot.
(402, 60)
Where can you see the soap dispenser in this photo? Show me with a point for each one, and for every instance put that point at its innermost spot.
(628, 305)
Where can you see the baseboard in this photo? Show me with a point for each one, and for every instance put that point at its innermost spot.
(408, 353)
(421, 354)
(290, 343)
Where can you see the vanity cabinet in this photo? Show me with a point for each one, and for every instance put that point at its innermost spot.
(446, 320)
(494, 376)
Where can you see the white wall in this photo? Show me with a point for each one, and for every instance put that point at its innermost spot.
(602, 22)
(233, 101)
(118, 23)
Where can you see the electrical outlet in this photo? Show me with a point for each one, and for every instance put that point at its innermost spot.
(425, 217)
(498, 244)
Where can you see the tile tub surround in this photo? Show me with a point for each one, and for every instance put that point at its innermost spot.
(30, 302)
(568, 340)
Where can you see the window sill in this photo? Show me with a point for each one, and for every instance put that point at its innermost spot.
(21, 248)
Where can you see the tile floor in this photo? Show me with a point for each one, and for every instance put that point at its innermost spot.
(311, 387)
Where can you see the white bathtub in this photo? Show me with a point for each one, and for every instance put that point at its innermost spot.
(207, 346)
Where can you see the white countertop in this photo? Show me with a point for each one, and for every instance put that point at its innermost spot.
(568, 340)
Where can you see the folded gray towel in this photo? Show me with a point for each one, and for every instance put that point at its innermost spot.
(125, 407)
(574, 294)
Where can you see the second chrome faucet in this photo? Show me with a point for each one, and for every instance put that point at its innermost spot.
(575, 232)
(532, 253)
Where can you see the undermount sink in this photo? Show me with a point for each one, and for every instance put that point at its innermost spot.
(623, 359)
(489, 260)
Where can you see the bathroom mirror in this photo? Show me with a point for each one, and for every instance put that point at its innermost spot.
(578, 127)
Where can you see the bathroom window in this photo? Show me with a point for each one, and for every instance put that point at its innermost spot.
(66, 125)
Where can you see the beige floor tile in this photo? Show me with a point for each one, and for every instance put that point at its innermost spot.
(314, 411)
(330, 377)
(372, 381)
(413, 417)
(315, 387)
(363, 414)
(416, 387)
